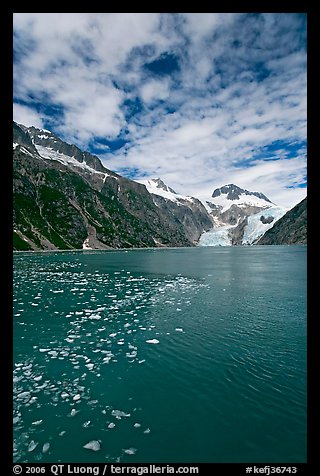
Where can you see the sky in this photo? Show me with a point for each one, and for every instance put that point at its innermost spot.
(198, 99)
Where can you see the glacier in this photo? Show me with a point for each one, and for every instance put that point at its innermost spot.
(216, 237)
(255, 228)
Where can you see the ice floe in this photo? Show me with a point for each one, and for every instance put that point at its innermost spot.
(93, 445)
(36, 423)
(119, 414)
(45, 447)
(130, 451)
(32, 445)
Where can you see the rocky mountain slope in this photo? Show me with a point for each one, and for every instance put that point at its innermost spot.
(291, 229)
(186, 209)
(65, 198)
(240, 217)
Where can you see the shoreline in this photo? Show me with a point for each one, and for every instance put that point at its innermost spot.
(78, 250)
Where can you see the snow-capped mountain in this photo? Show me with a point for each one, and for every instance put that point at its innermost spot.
(224, 197)
(158, 187)
(64, 198)
(239, 215)
(233, 192)
(188, 210)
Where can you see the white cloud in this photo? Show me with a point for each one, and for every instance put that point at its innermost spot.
(155, 90)
(26, 116)
(240, 85)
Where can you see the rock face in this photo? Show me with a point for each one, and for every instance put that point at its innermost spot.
(66, 199)
(291, 229)
(189, 211)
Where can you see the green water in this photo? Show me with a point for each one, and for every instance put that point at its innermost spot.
(222, 380)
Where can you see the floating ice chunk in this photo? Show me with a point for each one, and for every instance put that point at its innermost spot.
(24, 394)
(36, 423)
(137, 425)
(36, 379)
(133, 354)
(111, 425)
(45, 447)
(130, 451)
(92, 402)
(118, 414)
(90, 366)
(147, 431)
(141, 361)
(86, 424)
(32, 446)
(95, 316)
(113, 334)
(152, 341)
(93, 445)
(63, 432)
(77, 397)
(15, 420)
(64, 395)
(179, 329)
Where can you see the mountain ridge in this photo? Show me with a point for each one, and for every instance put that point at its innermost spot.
(65, 198)
(63, 203)
(234, 192)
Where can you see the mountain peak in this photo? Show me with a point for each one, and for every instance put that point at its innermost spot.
(234, 192)
(160, 184)
(50, 146)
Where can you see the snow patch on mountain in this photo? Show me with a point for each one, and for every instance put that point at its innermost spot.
(157, 187)
(225, 203)
(224, 197)
(51, 154)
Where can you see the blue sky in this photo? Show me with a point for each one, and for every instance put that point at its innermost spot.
(198, 99)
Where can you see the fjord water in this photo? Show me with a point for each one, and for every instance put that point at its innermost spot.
(160, 355)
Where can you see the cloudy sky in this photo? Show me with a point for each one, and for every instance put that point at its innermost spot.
(198, 99)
